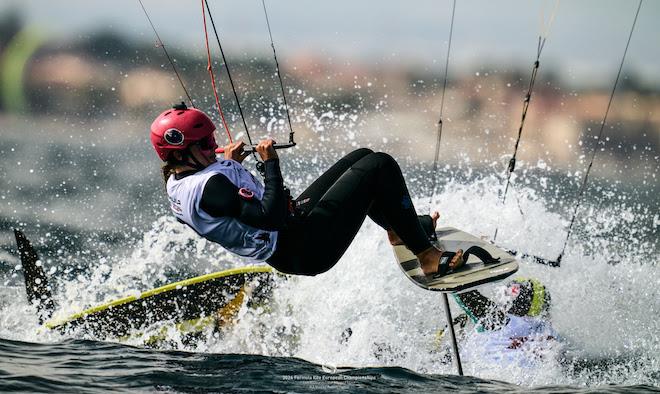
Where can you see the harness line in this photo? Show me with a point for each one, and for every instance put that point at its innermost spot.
(162, 45)
(526, 101)
(212, 75)
(583, 186)
(231, 80)
(442, 106)
(279, 75)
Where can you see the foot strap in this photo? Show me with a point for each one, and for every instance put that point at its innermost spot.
(480, 253)
(443, 265)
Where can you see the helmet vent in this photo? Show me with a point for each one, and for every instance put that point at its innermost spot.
(197, 126)
(167, 113)
(180, 113)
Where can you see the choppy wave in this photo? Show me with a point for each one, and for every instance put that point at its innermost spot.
(110, 367)
(605, 300)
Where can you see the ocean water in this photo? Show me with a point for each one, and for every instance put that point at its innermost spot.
(96, 213)
(88, 366)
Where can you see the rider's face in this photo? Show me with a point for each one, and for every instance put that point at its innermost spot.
(204, 150)
(505, 295)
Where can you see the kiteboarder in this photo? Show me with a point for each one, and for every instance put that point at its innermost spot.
(223, 202)
(518, 318)
(520, 298)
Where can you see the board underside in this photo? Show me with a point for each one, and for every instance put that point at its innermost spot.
(186, 302)
(473, 273)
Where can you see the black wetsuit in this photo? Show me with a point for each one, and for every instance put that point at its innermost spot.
(325, 218)
(482, 310)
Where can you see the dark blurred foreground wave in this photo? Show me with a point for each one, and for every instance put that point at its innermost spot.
(89, 366)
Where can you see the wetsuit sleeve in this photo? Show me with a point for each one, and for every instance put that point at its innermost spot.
(221, 198)
(482, 310)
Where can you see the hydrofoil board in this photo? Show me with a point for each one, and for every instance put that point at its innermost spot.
(474, 273)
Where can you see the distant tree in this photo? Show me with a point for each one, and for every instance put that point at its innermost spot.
(107, 44)
(630, 82)
(10, 24)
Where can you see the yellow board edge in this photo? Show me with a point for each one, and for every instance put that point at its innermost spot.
(172, 286)
(226, 315)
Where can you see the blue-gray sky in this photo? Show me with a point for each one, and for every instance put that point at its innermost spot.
(585, 43)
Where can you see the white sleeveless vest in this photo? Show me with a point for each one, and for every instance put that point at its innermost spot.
(186, 194)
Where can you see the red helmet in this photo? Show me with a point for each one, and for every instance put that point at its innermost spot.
(178, 128)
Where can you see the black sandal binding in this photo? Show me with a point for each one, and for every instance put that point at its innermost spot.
(479, 252)
(443, 269)
(443, 264)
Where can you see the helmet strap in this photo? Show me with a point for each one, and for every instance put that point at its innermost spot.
(187, 160)
(198, 166)
(190, 160)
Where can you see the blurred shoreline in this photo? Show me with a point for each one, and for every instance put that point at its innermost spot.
(75, 114)
(105, 84)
